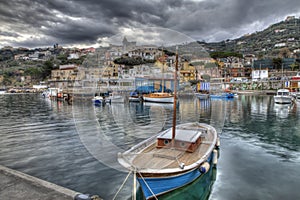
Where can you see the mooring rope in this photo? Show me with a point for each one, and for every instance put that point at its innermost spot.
(147, 186)
(122, 185)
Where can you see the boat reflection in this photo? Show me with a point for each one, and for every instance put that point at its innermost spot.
(282, 110)
(200, 189)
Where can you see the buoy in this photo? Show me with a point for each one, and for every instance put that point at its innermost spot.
(215, 156)
(204, 167)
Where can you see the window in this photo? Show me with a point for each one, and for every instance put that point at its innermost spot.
(182, 144)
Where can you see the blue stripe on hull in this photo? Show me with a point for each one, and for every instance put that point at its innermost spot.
(165, 184)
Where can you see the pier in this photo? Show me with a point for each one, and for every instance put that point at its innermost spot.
(19, 186)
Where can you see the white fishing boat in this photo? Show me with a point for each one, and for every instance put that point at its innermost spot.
(2, 91)
(174, 157)
(297, 97)
(202, 90)
(283, 96)
(100, 100)
(135, 97)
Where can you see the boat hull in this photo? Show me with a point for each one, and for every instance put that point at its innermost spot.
(223, 95)
(134, 99)
(297, 98)
(159, 99)
(283, 99)
(162, 185)
(202, 96)
(100, 100)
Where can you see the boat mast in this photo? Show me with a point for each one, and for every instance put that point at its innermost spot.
(163, 70)
(175, 98)
(282, 82)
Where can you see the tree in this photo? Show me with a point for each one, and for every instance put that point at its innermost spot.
(210, 65)
(225, 54)
(46, 69)
(130, 61)
(34, 72)
(284, 53)
(294, 66)
(277, 62)
(6, 79)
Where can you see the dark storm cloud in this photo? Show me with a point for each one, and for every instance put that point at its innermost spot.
(85, 21)
(8, 34)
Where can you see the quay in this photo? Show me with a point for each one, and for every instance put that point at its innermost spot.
(19, 186)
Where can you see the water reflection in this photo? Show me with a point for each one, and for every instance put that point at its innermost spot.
(40, 137)
(268, 125)
(283, 110)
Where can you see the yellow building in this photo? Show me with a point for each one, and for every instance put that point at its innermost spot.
(187, 72)
(63, 77)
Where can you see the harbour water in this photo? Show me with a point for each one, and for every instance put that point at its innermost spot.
(76, 146)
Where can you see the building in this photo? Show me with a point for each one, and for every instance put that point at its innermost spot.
(64, 77)
(127, 46)
(259, 74)
(187, 72)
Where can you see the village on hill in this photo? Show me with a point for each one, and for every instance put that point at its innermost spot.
(253, 61)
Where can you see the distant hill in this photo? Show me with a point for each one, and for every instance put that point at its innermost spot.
(269, 42)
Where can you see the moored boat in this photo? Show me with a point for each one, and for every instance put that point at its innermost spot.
(100, 100)
(225, 95)
(202, 95)
(161, 167)
(134, 97)
(202, 90)
(174, 157)
(159, 97)
(283, 96)
(2, 91)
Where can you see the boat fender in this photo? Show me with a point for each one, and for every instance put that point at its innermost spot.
(204, 167)
(181, 165)
(86, 197)
(218, 143)
(215, 156)
(82, 197)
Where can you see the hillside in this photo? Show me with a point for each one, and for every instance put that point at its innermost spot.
(269, 42)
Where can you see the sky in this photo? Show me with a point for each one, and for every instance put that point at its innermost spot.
(83, 23)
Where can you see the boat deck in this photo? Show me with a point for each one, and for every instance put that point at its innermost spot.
(160, 158)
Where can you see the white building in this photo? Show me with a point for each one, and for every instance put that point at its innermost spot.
(283, 44)
(73, 56)
(259, 74)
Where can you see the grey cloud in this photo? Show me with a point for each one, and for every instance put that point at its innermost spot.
(85, 21)
(8, 34)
